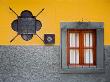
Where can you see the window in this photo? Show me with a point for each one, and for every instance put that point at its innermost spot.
(81, 47)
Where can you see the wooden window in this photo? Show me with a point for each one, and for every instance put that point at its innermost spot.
(81, 47)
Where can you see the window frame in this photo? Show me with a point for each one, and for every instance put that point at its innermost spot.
(81, 46)
(99, 27)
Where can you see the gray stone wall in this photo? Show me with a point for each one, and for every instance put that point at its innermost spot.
(42, 64)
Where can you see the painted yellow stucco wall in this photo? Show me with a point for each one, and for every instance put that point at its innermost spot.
(56, 11)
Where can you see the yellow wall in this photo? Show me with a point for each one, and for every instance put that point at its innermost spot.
(56, 11)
